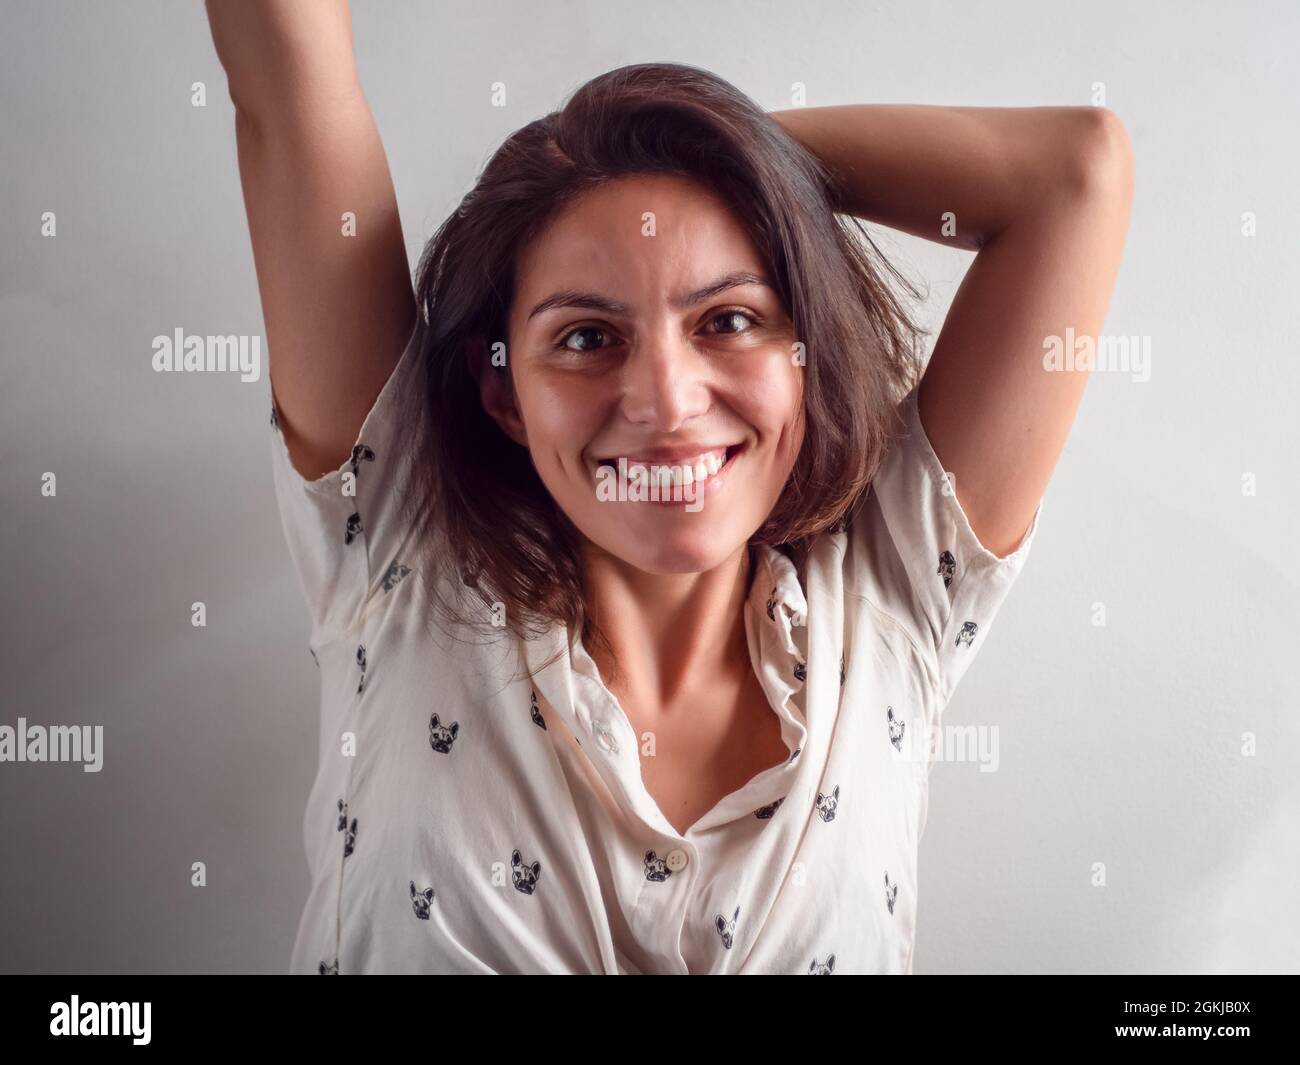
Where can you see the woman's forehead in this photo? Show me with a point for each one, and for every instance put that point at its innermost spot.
(638, 232)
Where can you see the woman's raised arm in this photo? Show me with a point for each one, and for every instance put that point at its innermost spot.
(1042, 194)
(327, 241)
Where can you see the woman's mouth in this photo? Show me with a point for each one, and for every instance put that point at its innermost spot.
(683, 480)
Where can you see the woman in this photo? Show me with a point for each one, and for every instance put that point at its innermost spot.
(566, 727)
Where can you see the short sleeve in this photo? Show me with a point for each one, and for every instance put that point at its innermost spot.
(914, 554)
(346, 531)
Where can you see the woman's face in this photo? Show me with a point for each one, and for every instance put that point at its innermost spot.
(645, 328)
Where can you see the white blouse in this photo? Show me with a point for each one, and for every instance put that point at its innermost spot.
(464, 822)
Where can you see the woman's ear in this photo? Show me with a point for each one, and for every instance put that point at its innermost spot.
(496, 388)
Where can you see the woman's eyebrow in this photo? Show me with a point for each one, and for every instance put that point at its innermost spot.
(589, 300)
(729, 281)
(594, 301)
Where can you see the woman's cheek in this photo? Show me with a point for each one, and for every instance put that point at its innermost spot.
(769, 396)
(560, 424)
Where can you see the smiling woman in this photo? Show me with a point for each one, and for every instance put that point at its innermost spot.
(572, 729)
(634, 253)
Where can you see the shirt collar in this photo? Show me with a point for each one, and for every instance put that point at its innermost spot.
(776, 600)
(572, 687)
(777, 595)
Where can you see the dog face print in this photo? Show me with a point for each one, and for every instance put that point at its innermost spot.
(771, 606)
(393, 576)
(827, 804)
(800, 671)
(826, 969)
(896, 727)
(525, 876)
(275, 417)
(535, 712)
(331, 969)
(361, 454)
(349, 837)
(764, 812)
(967, 634)
(891, 893)
(353, 529)
(947, 567)
(441, 736)
(361, 664)
(726, 929)
(420, 900)
(655, 868)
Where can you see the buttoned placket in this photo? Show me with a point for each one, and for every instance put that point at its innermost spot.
(659, 905)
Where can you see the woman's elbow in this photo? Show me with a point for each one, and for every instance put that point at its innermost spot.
(1100, 159)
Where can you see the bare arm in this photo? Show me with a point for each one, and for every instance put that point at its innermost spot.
(338, 309)
(1042, 194)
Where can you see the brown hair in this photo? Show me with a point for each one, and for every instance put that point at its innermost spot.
(479, 509)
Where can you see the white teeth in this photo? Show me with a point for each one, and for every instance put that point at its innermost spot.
(669, 476)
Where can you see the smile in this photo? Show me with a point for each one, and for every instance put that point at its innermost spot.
(655, 479)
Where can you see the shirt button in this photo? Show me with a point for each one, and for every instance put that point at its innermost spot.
(605, 738)
(676, 860)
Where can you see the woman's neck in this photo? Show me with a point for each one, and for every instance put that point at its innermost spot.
(666, 631)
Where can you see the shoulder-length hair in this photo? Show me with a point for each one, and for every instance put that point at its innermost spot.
(478, 507)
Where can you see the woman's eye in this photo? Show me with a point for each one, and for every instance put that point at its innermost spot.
(730, 320)
(582, 331)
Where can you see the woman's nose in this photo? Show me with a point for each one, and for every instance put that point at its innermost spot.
(663, 381)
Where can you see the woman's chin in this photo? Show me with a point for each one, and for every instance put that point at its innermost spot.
(667, 552)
